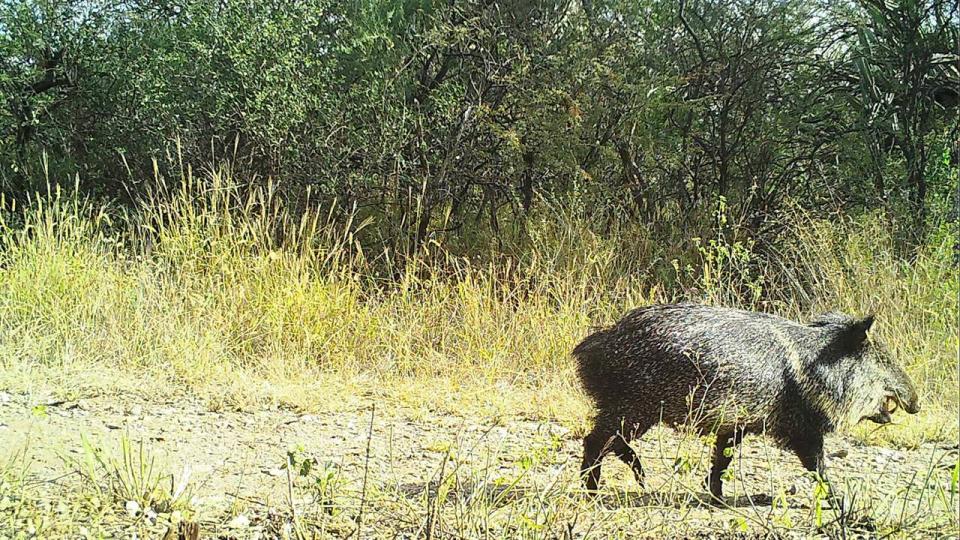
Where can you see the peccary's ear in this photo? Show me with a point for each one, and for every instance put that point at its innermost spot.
(865, 323)
(856, 333)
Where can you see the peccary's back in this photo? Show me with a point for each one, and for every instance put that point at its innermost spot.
(675, 361)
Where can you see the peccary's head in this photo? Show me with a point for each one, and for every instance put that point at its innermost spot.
(874, 385)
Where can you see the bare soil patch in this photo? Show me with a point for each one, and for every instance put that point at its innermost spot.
(407, 473)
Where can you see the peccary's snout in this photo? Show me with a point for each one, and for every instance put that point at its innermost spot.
(909, 401)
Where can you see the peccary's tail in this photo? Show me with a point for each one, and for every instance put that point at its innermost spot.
(591, 356)
(603, 371)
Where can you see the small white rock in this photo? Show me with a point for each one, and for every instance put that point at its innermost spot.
(133, 508)
(239, 522)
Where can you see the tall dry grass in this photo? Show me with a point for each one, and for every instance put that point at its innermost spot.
(212, 290)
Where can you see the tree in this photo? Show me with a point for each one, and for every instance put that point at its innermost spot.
(907, 83)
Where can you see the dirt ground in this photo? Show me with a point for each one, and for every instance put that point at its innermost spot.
(391, 463)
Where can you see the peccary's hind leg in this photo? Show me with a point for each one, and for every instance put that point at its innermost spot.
(595, 445)
(722, 456)
(621, 447)
(605, 439)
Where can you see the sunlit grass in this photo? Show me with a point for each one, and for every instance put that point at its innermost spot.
(221, 293)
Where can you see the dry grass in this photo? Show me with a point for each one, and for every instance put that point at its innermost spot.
(221, 294)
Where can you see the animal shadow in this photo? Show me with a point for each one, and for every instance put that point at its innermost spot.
(682, 500)
(499, 495)
(466, 490)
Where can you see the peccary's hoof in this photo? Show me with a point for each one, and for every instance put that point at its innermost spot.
(591, 488)
(806, 485)
(716, 494)
(591, 493)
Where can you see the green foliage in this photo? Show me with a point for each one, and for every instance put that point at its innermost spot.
(906, 83)
(320, 481)
(452, 122)
(955, 478)
(728, 474)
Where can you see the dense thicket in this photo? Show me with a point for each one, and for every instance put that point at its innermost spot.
(460, 119)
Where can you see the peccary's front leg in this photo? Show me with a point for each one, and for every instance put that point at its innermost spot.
(810, 451)
(722, 456)
(595, 445)
(601, 441)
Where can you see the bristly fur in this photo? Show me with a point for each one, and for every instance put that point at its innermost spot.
(733, 372)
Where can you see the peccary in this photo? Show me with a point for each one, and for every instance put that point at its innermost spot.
(733, 372)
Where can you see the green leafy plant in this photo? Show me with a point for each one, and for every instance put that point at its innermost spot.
(321, 480)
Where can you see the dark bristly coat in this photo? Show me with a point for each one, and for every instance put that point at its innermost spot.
(733, 372)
